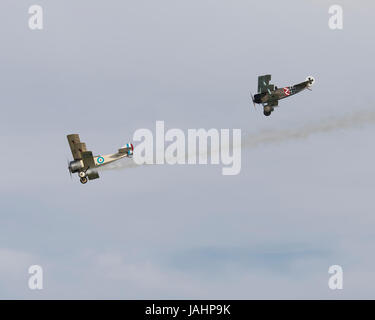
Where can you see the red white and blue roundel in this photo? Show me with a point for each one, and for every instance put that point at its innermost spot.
(100, 160)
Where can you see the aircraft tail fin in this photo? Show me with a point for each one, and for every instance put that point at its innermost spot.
(310, 80)
(128, 149)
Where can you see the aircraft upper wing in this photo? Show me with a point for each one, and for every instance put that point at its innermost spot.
(76, 146)
(264, 84)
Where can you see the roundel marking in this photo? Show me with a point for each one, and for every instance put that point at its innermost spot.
(100, 160)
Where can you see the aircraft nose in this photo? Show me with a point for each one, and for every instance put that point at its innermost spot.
(257, 98)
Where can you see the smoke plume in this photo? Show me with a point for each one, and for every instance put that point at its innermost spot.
(357, 119)
(325, 126)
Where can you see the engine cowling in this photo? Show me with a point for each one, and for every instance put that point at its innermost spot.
(258, 97)
(75, 166)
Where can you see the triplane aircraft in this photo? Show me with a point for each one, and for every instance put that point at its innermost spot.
(85, 163)
(269, 95)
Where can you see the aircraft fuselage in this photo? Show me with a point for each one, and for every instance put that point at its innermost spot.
(273, 96)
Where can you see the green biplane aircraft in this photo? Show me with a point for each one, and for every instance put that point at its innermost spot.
(269, 95)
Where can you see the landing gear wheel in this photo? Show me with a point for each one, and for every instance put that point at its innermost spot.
(267, 113)
(83, 180)
(82, 174)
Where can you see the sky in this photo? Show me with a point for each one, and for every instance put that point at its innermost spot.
(302, 202)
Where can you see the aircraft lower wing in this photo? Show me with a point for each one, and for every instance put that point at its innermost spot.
(89, 163)
(93, 175)
(273, 103)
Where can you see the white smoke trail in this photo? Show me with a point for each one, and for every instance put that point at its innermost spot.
(124, 163)
(345, 122)
(356, 119)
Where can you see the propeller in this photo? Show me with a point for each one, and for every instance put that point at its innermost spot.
(252, 98)
(70, 171)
